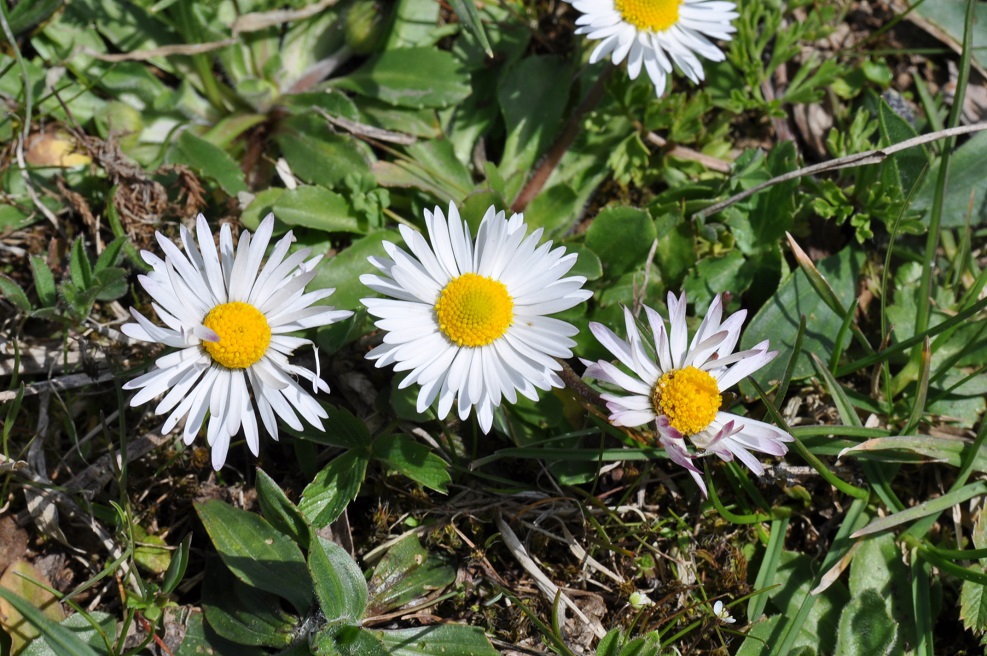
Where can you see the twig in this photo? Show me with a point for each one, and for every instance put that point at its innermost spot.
(710, 162)
(850, 161)
(549, 589)
(257, 21)
(369, 131)
(71, 381)
(569, 133)
(163, 51)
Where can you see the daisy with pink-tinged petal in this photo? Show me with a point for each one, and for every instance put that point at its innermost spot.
(230, 320)
(682, 391)
(468, 320)
(657, 35)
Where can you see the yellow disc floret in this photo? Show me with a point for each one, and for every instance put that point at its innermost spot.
(474, 310)
(243, 334)
(689, 397)
(650, 15)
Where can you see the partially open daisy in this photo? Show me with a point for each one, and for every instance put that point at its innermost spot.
(657, 34)
(682, 391)
(229, 319)
(467, 320)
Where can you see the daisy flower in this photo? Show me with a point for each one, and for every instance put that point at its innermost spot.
(468, 319)
(722, 613)
(657, 34)
(229, 318)
(682, 392)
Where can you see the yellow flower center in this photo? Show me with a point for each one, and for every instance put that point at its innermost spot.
(689, 397)
(650, 15)
(243, 334)
(474, 310)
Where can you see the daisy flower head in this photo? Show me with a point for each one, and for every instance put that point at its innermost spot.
(722, 613)
(230, 319)
(467, 318)
(657, 34)
(682, 391)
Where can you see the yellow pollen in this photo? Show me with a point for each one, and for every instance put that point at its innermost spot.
(474, 310)
(689, 397)
(243, 334)
(650, 15)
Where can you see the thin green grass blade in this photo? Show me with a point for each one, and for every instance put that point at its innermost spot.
(834, 358)
(63, 640)
(729, 515)
(466, 10)
(841, 543)
(906, 344)
(825, 291)
(922, 606)
(918, 407)
(786, 379)
(924, 509)
(769, 567)
(809, 457)
(922, 526)
(939, 197)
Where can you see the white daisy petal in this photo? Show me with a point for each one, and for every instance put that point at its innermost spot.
(227, 315)
(467, 317)
(654, 35)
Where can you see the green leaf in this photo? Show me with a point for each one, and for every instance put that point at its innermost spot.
(176, 568)
(866, 629)
(438, 640)
(201, 639)
(344, 270)
(80, 269)
(470, 17)
(80, 301)
(587, 263)
(415, 24)
(110, 254)
(556, 209)
(414, 460)
(44, 281)
(28, 14)
(910, 164)
(280, 511)
(209, 161)
(966, 180)
(950, 18)
(316, 155)
(243, 614)
(778, 320)
(110, 284)
(257, 553)
(714, 274)
(319, 208)
(878, 565)
(347, 640)
(405, 576)
(62, 640)
(333, 488)
(938, 504)
(13, 219)
(622, 238)
(973, 596)
(339, 583)
(89, 630)
(411, 77)
(532, 96)
(13, 292)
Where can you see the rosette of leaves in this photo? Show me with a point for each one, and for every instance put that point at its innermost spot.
(285, 589)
